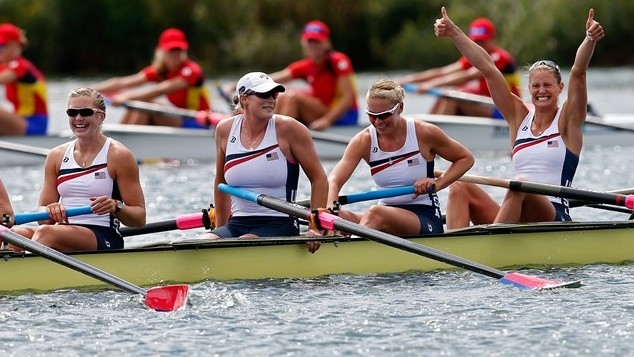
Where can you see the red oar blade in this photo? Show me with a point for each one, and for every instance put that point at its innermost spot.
(528, 282)
(167, 298)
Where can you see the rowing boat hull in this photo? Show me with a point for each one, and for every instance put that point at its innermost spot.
(149, 143)
(501, 246)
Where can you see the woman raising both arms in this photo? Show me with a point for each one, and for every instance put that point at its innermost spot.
(546, 140)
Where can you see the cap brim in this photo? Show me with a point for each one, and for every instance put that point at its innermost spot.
(480, 37)
(314, 36)
(174, 45)
(267, 87)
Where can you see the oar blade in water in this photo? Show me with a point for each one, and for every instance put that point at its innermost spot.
(529, 282)
(167, 298)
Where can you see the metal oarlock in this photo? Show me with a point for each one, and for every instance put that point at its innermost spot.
(209, 217)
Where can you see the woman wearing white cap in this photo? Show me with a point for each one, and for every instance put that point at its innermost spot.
(263, 152)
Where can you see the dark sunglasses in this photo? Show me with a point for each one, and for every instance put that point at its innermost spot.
(266, 95)
(383, 115)
(84, 112)
(547, 63)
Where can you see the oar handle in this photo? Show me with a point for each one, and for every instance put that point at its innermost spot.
(203, 117)
(26, 217)
(377, 194)
(184, 222)
(368, 195)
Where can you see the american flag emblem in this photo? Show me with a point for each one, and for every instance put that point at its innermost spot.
(413, 162)
(100, 175)
(271, 156)
(552, 144)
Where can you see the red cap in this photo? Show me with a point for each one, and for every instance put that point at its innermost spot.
(315, 30)
(173, 38)
(481, 29)
(9, 33)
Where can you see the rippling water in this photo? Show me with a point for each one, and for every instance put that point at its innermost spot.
(443, 313)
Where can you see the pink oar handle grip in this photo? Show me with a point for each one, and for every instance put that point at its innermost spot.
(189, 221)
(205, 117)
(629, 201)
(327, 220)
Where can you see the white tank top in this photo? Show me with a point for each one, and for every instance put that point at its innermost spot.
(264, 169)
(543, 159)
(400, 168)
(76, 184)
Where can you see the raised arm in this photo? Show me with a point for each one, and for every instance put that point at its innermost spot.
(575, 108)
(508, 103)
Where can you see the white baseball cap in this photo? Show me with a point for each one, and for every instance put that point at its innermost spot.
(258, 82)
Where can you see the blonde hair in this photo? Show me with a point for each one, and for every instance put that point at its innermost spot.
(386, 89)
(545, 65)
(97, 99)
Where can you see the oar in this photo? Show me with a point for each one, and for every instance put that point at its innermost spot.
(368, 196)
(21, 218)
(203, 117)
(25, 149)
(552, 190)
(228, 100)
(42, 152)
(332, 138)
(607, 208)
(162, 298)
(184, 222)
(452, 94)
(333, 222)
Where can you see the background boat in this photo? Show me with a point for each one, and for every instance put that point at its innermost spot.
(160, 143)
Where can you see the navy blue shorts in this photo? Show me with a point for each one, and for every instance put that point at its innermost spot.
(351, 117)
(430, 223)
(36, 124)
(562, 213)
(496, 114)
(107, 238)
(261, 226)
(192, 124)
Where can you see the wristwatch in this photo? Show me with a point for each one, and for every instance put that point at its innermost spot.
(120, 205)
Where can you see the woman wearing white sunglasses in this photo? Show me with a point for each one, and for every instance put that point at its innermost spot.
(400, 152)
